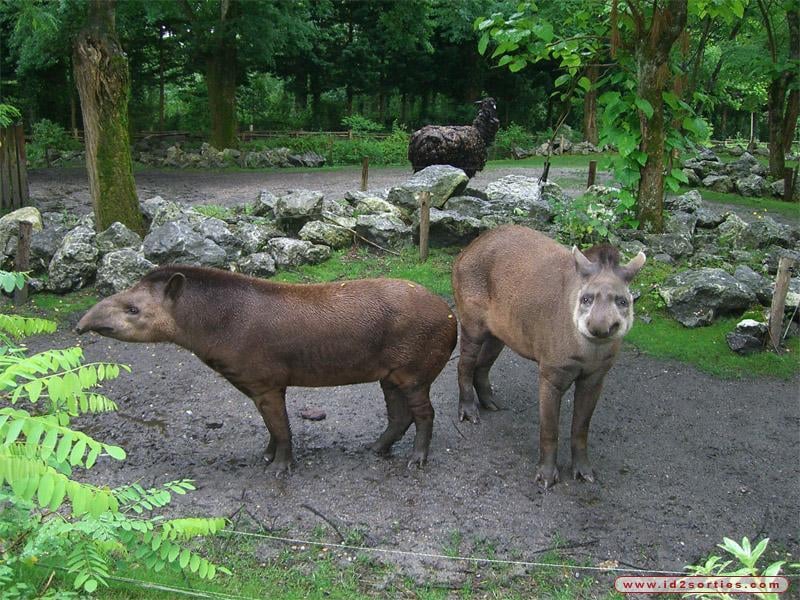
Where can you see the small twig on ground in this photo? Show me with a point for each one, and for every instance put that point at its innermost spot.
(324, 518)
(361, 237)
(455, 426)
(47, 583)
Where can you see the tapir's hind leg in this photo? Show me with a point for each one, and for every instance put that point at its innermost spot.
(490, 350)
(472, 338)
(272, 406)
(419, 402)
(399, 414)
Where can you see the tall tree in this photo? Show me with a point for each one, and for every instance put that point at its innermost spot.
(101, 75)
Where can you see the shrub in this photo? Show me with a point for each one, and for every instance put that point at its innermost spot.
(46, 515)
(47, 135)
(592, 217)
(360, 124)
(513, 136)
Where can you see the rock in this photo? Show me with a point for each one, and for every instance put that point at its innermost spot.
(150, 207)
(9, 228)
(681, 223)
(328, 234)
(178, 242)
(777, 188)
(450, 228)
(695, 298)
(773, 255)
(75, 262)
(692, 178)
(470, 206)
(527, 194)
(765, 232)
(312, 414)
(708, 218)
(689, 202)
(751, 185)
(120, 269)
(298, 207)
(218, 232)
(307, 159)
(254, 236)
(759, 285)
(707, 154)
(743, 344)
(265, 204)
(759, 169)
(631, 248)
(442, 181)
(676, 245)
(719, 183)
(385, 230)
(742, 165)
(258, 264)
(44, 245)
(792, 295)
(354, 196)
(168, 212)
(337, 208)
(288, 252)
(377, 206)
(664, 258)
(732, 231)
(116, 237)
(752, 327)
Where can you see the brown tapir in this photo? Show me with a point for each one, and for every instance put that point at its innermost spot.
(568, 311)
(264, 336)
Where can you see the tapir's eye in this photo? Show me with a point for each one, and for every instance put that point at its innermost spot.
(622, 302)
(586, 299)
(133, 310)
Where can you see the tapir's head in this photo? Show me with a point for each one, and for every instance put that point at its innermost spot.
(142, 313)
(604, 305)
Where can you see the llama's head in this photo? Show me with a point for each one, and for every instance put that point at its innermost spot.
(487, 122)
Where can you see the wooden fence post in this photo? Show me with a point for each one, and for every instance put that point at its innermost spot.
(788, 183)
(592, 173)
(13, 169)
(22, 262)
(424, 224)
(364, 173)
(779, 301)
(330, 150)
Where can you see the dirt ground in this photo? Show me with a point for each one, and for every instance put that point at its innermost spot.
(682, 458)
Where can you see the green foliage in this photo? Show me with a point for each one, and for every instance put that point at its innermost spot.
(590, 218)
(46, 515)
(361, 124)
(511, 137)
(8, 114)
(746, 564)
(47, 135)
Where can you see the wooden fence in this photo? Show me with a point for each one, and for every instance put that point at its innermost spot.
(13, 169)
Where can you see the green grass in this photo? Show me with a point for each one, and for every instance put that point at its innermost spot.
(360, 264)
(758, 205)
(556, 161)
(53, 306)
(319, 572)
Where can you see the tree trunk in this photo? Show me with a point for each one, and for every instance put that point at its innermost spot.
(590, 133)
(652, 48)
(221, 84)
(103, 81)
(161, 79)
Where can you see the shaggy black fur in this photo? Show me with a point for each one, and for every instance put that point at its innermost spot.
(462, 146)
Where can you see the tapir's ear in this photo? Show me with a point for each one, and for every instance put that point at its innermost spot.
(630, 270)
(583, 265)
(174, 287)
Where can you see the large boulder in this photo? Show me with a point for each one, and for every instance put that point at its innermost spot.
(742, 165)
(470, 206)
(307, 159)
(752, 185)
(116, 237)
(218, 232)
(377, 206)
(689, 202)
(732, 232)
(759, 285)
(518, 193)
(298, 207)
(748, 337)
(259, 264)
(265, 204)
(254, 236)
(719, 183)
(288, 252)
(120, 269)
(765, 231)
(75, 262)
(675, 245)
(385, 230)
(44, 245)
(328, 234)
(442, 181)
(168, 212)
(178, 242)
(695, 298)
(450, 228)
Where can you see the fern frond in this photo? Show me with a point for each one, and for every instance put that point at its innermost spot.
(19, 327)
(90, 565)
(29, 478)
(188, 528)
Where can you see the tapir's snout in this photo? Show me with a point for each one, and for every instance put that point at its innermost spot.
(95, 320)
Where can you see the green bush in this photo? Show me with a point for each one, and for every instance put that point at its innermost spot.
(47, 516)
(591, 218)
(47, 135)
(361, 124)
(513, 136)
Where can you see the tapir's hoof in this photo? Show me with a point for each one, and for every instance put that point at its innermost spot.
(583, 470)
(490, 405)
(547, 475)
(417, 459)
(380, 449)
(469, 413)
(282, 470)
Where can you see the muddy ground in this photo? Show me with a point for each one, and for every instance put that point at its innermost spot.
(682, 458)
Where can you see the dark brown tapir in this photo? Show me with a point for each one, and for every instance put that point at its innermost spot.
(568, 311)
(264, 337)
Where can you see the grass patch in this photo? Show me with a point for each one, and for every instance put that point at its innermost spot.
(319, 572)
(361, 264)
(703, 347)
(53, 306)
(758, 205)
(556, 161)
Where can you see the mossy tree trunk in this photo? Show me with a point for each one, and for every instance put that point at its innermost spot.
(652, 48)
(221, 84)
(590, 133)
(103, 82)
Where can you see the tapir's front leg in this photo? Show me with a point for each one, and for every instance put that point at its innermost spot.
(587, 392)
(551, 388)
(272, 406)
